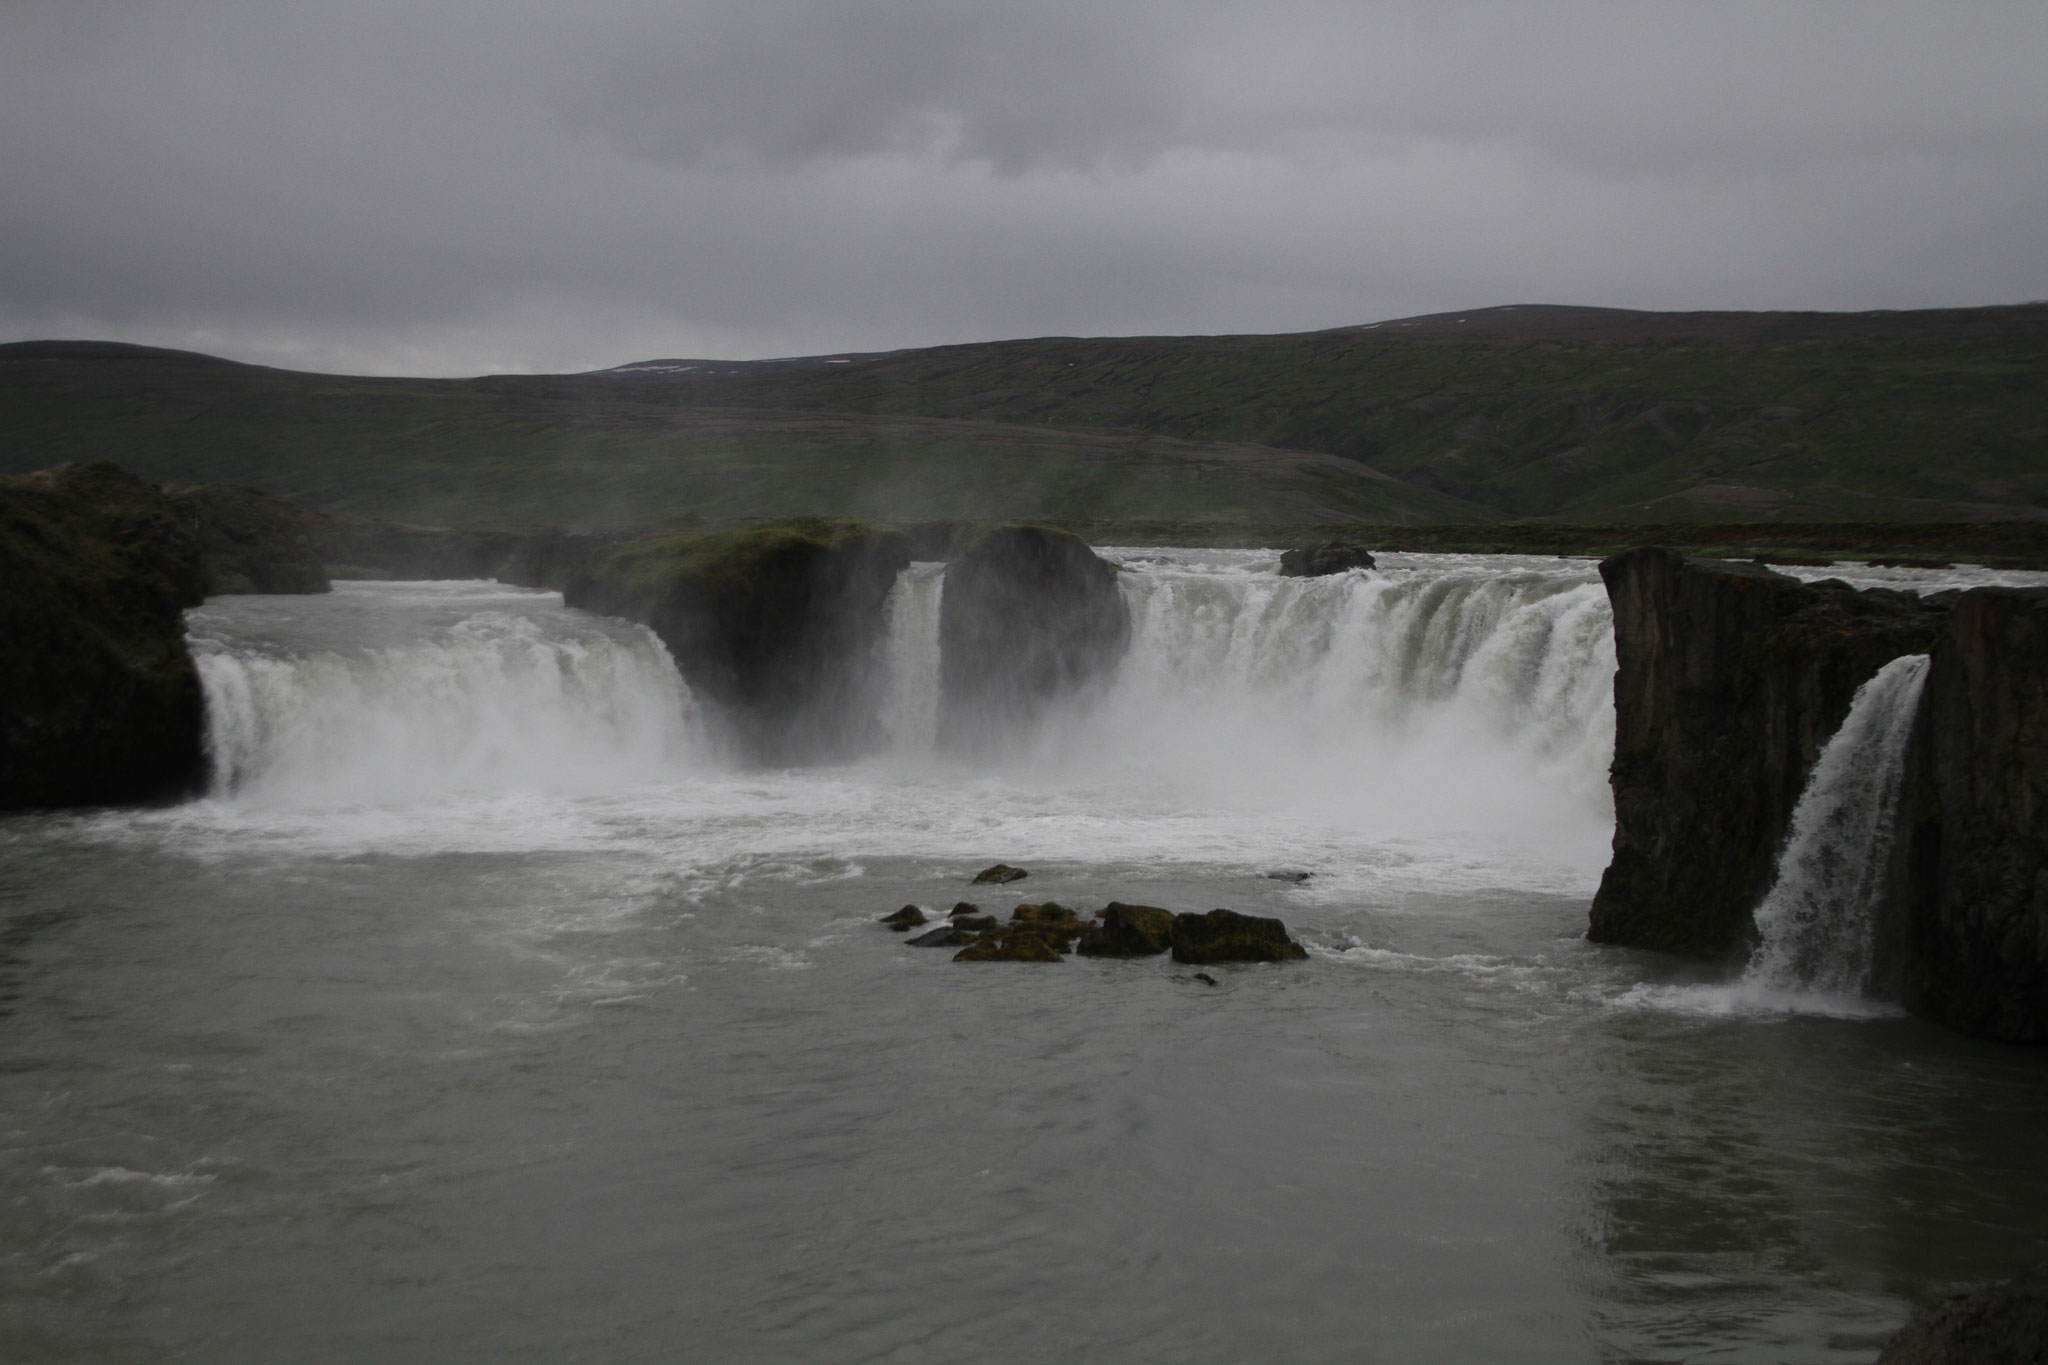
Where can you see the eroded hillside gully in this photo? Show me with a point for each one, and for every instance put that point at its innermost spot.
(511, 993)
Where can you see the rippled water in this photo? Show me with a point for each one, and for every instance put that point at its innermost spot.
(485, 1013)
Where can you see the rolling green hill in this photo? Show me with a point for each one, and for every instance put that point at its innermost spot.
(1528, 413)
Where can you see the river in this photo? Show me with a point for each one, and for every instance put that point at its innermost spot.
(487, 1010)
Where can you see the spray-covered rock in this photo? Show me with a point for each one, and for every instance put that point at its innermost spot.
(1332, 556)
(1030, 616)
(779, 625)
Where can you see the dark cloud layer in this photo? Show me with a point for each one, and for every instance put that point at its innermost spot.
(468, 185)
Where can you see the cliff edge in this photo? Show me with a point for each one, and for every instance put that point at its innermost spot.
(1729, 680)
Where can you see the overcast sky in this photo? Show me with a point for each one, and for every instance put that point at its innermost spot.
(458, 186)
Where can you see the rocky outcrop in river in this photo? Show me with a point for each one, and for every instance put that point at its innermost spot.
(99, 699)
(1730, 678)
(1030, 615)
(2006, 1324)
(1967, 932)
(777, 625)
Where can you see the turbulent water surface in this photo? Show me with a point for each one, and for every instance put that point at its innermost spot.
(485, 1011)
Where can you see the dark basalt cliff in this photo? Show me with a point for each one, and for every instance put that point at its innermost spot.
(99, 700)
(251, 541)
(1029, 615)
(2006, 1324)
(1968, 928)
(1730, 679)
(778, 626)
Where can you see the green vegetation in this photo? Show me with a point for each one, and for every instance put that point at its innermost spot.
(1581, 416)
(730, 558)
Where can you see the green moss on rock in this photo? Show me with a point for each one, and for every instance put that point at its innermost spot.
(1227, 936)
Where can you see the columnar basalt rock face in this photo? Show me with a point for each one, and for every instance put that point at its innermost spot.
(1968, 933)
(1730, 679)
(779, 626)
(1029, 616)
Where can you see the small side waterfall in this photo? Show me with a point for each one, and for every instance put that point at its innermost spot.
(1816, 923)
(911, 709)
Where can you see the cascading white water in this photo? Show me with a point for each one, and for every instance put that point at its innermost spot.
(1815, 925)
(1438, 694)
(911, 707)
(1454, 684)
(397, 692)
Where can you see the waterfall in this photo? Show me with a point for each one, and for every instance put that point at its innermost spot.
(910, 711)
(1815, 926)
(408, 691)
(1458, 681)
(1455, 692)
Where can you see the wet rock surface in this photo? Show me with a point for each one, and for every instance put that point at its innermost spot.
(999, 875)
(1967, 934)
(1046, 931)
(1226, 936)
(1129, 931)
(1332, 556)
(99, 698)
(778, 625)
(1030, 615)
(1730, 679)
(2004, 1325)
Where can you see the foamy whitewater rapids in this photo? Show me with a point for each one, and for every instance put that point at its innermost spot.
(486, 1011)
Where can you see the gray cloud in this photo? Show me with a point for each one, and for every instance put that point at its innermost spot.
(472, 185)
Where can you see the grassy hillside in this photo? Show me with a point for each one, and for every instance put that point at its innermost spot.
(606, 453)
(1565, 413)
(1558, 414)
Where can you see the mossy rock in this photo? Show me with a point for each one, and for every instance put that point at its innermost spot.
(1226, 936)
(1331, 557)
(999, 875)
(1128, 931)
(1050, 913)
(1009, 947)
(909, 917)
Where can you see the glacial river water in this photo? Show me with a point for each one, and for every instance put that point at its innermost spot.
(486, 1012)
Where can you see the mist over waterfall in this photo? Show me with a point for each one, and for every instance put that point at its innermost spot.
(1815, 926)
(1440, 692)
(405, 691)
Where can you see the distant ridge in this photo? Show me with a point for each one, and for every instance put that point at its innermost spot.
(1515, 322)
(1528, 412)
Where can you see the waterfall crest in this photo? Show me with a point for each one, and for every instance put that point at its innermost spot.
(1815, 926)
(408, 691)
(1450, 691)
